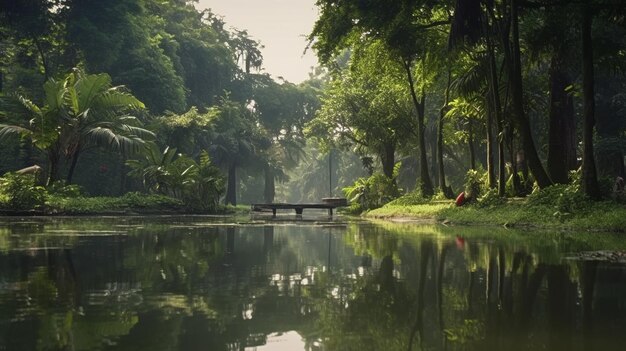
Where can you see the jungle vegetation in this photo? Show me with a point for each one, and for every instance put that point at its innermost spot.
(415, 99)
(145, 96)
(494, 98)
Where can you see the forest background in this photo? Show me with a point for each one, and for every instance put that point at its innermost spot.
(496, 98)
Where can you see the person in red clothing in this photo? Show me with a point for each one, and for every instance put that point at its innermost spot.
(460, 200)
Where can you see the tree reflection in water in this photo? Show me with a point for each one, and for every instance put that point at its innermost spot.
(196, 284)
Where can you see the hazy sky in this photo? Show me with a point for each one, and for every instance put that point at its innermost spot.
(280, 26)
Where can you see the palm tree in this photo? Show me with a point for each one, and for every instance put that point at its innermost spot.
(96, 117)
(39, 124)
(236, 139)
(80, 112)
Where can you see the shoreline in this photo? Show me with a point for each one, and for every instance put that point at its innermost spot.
(601, 217)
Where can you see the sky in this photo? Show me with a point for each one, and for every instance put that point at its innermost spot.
(280, 26)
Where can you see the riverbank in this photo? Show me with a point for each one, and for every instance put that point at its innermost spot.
(606, 216)
(127, 204)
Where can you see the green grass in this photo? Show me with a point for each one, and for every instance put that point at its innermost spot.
(128, 203)
(421, 211)
(596, 216)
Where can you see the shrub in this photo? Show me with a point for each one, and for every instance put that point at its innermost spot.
(564, 198)
(473, 184)
(205, 186)
(198, 184)
(491, 199)
(59, 188)
(20, 192)
(375, 191)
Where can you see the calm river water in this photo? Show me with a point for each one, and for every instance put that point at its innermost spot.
(200, 283)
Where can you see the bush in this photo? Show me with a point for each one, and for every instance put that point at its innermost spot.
(491, 199)
(560, 197)
(372, 192)
(198, 184)
(205, 186)
(59, 188)
(474, 184)
(20, 192)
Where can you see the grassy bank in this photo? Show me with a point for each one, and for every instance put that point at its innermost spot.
(128, 203)
(587, 215)
(23, 195)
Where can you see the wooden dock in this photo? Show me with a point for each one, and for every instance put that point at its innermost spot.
(327, 204)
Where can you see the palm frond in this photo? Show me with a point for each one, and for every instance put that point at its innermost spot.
(70, 101)
(90, 87)
(473, 80)
(102, 136)
(11, 130)
(115, 100)
(54, 91)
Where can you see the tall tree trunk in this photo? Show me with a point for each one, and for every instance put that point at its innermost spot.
(470, 144)
(42, 55)
(387, 158)
(522, 165)
(517, 184)
(53, 167)
(590, 178)
(123, 178)
(70, 172)
(442, 113)
(562, 132)
(494, 89)
(269, 190)
(501, 168)
(513, 61)
(491, 173)
(434, 167)
(231, 189)
(425, 182)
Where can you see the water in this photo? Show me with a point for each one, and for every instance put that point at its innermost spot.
(197, 283)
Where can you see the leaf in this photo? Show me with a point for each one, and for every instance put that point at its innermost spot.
(90, 87)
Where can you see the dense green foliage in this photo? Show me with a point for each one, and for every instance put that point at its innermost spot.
(504, 92)
(20, 192)
(124, 80)
(80, 111)
(493, 98)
